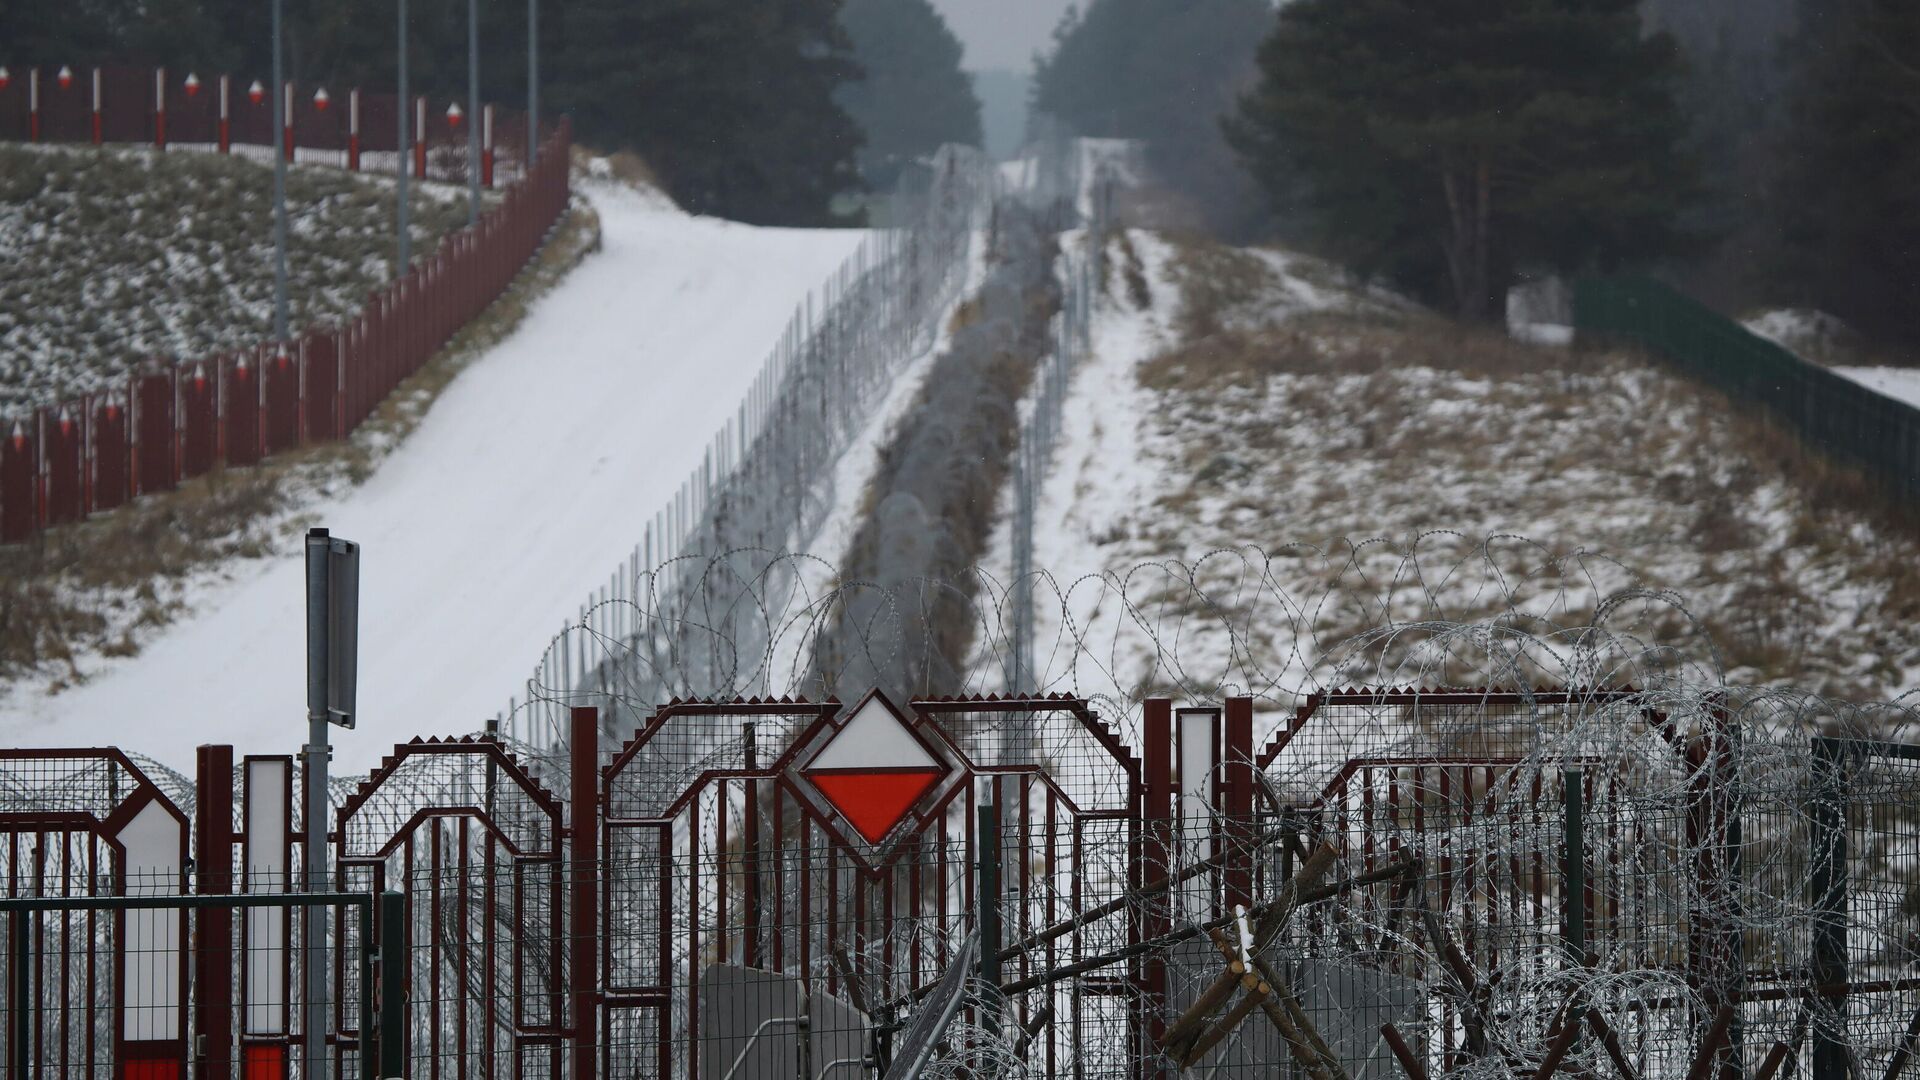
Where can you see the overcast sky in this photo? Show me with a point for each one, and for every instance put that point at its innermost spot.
(1002, 33)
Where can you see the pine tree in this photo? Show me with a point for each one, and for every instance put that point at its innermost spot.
(1851, 194)
(730, 101)
(913, 97)
(1451, 141)
(1163, 73)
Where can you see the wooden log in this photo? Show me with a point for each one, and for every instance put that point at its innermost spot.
(1271, 923)
(1611, 1042)
(1774, 1059)
(1194, 1018)
(1710, 1046)
(1292, 1021)
(1031, 1030)
(1904, 1052)
(1228, 1024)
(1557, 1050)
(1305, 1023)
(1409, 1062)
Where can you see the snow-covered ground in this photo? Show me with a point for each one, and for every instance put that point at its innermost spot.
(1823, 339)
(1259, 460)
(534, 472)
(1900, 384)
(112, 256)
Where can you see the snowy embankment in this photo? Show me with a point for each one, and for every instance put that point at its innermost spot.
(1257, 454)
(534, 471)
(1900, 384)
(134, 254)
(1822, 339)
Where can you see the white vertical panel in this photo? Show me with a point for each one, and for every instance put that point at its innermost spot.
(150, 1006)
(1196, 735)
(268, 863)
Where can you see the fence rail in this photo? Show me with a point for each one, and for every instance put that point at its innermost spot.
(164, 107)
(179, 419)
(1457, 864)
(1831, 412)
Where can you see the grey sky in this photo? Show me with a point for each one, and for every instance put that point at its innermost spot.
(1002, 33)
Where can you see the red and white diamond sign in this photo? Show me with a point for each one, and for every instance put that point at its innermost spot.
(874, 769)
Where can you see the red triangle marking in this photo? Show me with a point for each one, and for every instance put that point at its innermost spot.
(875, 801)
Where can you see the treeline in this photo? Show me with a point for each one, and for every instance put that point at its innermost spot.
(767, 111)
(1761, 152)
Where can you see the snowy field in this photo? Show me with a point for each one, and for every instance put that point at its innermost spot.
(533, 473)
(1312, 457)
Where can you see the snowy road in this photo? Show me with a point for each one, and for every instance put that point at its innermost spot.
(529, 480)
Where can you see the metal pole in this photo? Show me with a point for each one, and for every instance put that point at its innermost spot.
(1574, 875)
(473, 112)
(393, 984)
(533, 81)
(369, 1048)
(583, 947)
(279, 100)
(803, 1025)
(314, 1014)
(19, 990)
(987, 852)
(1829, 886)
(406, 154)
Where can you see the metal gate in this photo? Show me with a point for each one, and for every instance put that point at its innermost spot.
(810, 852)
(474, 843)
(92, 994)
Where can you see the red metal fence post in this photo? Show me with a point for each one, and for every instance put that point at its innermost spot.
(19, 469)
(583, 949)
(1157, 732)
(110, 455)
(1237, 767)
(213, 937)
(63, 441)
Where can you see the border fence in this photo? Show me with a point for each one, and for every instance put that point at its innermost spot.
(1381, 882)
(766, 481)
(163, 107)
(176, 419)
(1832, 413)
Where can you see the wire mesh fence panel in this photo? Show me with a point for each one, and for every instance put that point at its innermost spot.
(473, 844)
(1675, 882)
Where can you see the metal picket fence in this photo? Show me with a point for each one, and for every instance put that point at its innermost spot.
(1832, 413)
(162, 107)
(180, 418)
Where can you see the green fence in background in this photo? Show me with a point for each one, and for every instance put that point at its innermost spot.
(1829, 412)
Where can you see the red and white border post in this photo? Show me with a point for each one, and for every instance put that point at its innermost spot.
(486, 145)
(265, 1005)
(286, 107)
(420, 138)
(96, 107)
(33, 104)
(353, 129)
(226, 117)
